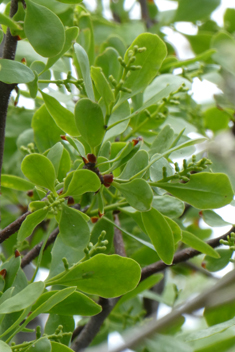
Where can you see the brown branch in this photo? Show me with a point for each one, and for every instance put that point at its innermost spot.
(181, 256)
(34, 252)
(145, 13)
(118, 239)
(5, 89)
(88, 333)
(92, 328)
(13, 227)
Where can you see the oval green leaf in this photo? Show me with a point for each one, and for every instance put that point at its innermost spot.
(160, 234)
(74, 230)
(90, 121)
(135, 165)
(43, 29)
(4, 347)
(81, 181)
(16, 182)
(15, 72)
(137, 192)
(83, 66)
(75, 304)
(39, 170)
(23, 299)
(104, 275)
(102, 86)
(60, 158)
(194, 242)
(58, 347)
(62, 116)
(216, 264)
(204, 190)
(29, 224)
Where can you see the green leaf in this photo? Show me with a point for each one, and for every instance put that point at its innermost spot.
(58, 347)
(74, 230)
(215, 119)
(75, 304)
(168, 206)
(13, 72)
(60, 158)
(143, 285)
(229, 20)
(43, 29)
(224, 44)
(23, 299)
(191, 11)
(108, 61)
(29, 224)
(7, 21)
(104, 275)
(70, 35)
(62, 116)
(150, 60)
(160, 233)
(90, 121)
(118, 113)
(163, 141)
(216, 264)
(70, 1)
(176, 230)
(39, 170)
(54, 320)
(4, 347)
(46, 131)
(166, 344)
(81, 181)
(135, 165)
(156, 169)
(137, 193)
(12, 267)
(102, 86)
(82, 60)
(36, 205)
(16, 182)
(213, 219)
(42, 344)
(195, 242)
(204, 190)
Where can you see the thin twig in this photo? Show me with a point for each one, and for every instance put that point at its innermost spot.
(118, 239)
(34, 252)
(5, 89)
(13, 227)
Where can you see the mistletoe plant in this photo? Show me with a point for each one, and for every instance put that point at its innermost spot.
(93, 184)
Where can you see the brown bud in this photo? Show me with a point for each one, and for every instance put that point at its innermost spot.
(17, 253)
(200, 213)
(18, 37)
(108, 179)
(94, 219)
(30, 193)
(84, 160)
(203, 265)
(63, 137)
(70, 200)
(23, 61)
(91, 158)
(136, 140)
(100, 214)
(3, 273)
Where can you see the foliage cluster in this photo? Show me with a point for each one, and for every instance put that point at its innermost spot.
(102, 183)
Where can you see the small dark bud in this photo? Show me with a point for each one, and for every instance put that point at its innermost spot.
(17, 253)
(108, 179)
(94, 219)
(100, 214)
(84, 160)
(70, 200)
(3, 273)
(91, 158)
(30, 193)
(18, 37)
(203, 265)
(23, 61)
(200, 213)
(137, 140)
(63, 137)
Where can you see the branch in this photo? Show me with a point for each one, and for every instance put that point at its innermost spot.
(13, 227)
(118, 239)
(31, 255)
(181, 256)
(5, 89)
(92, 328)
(145, 13)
